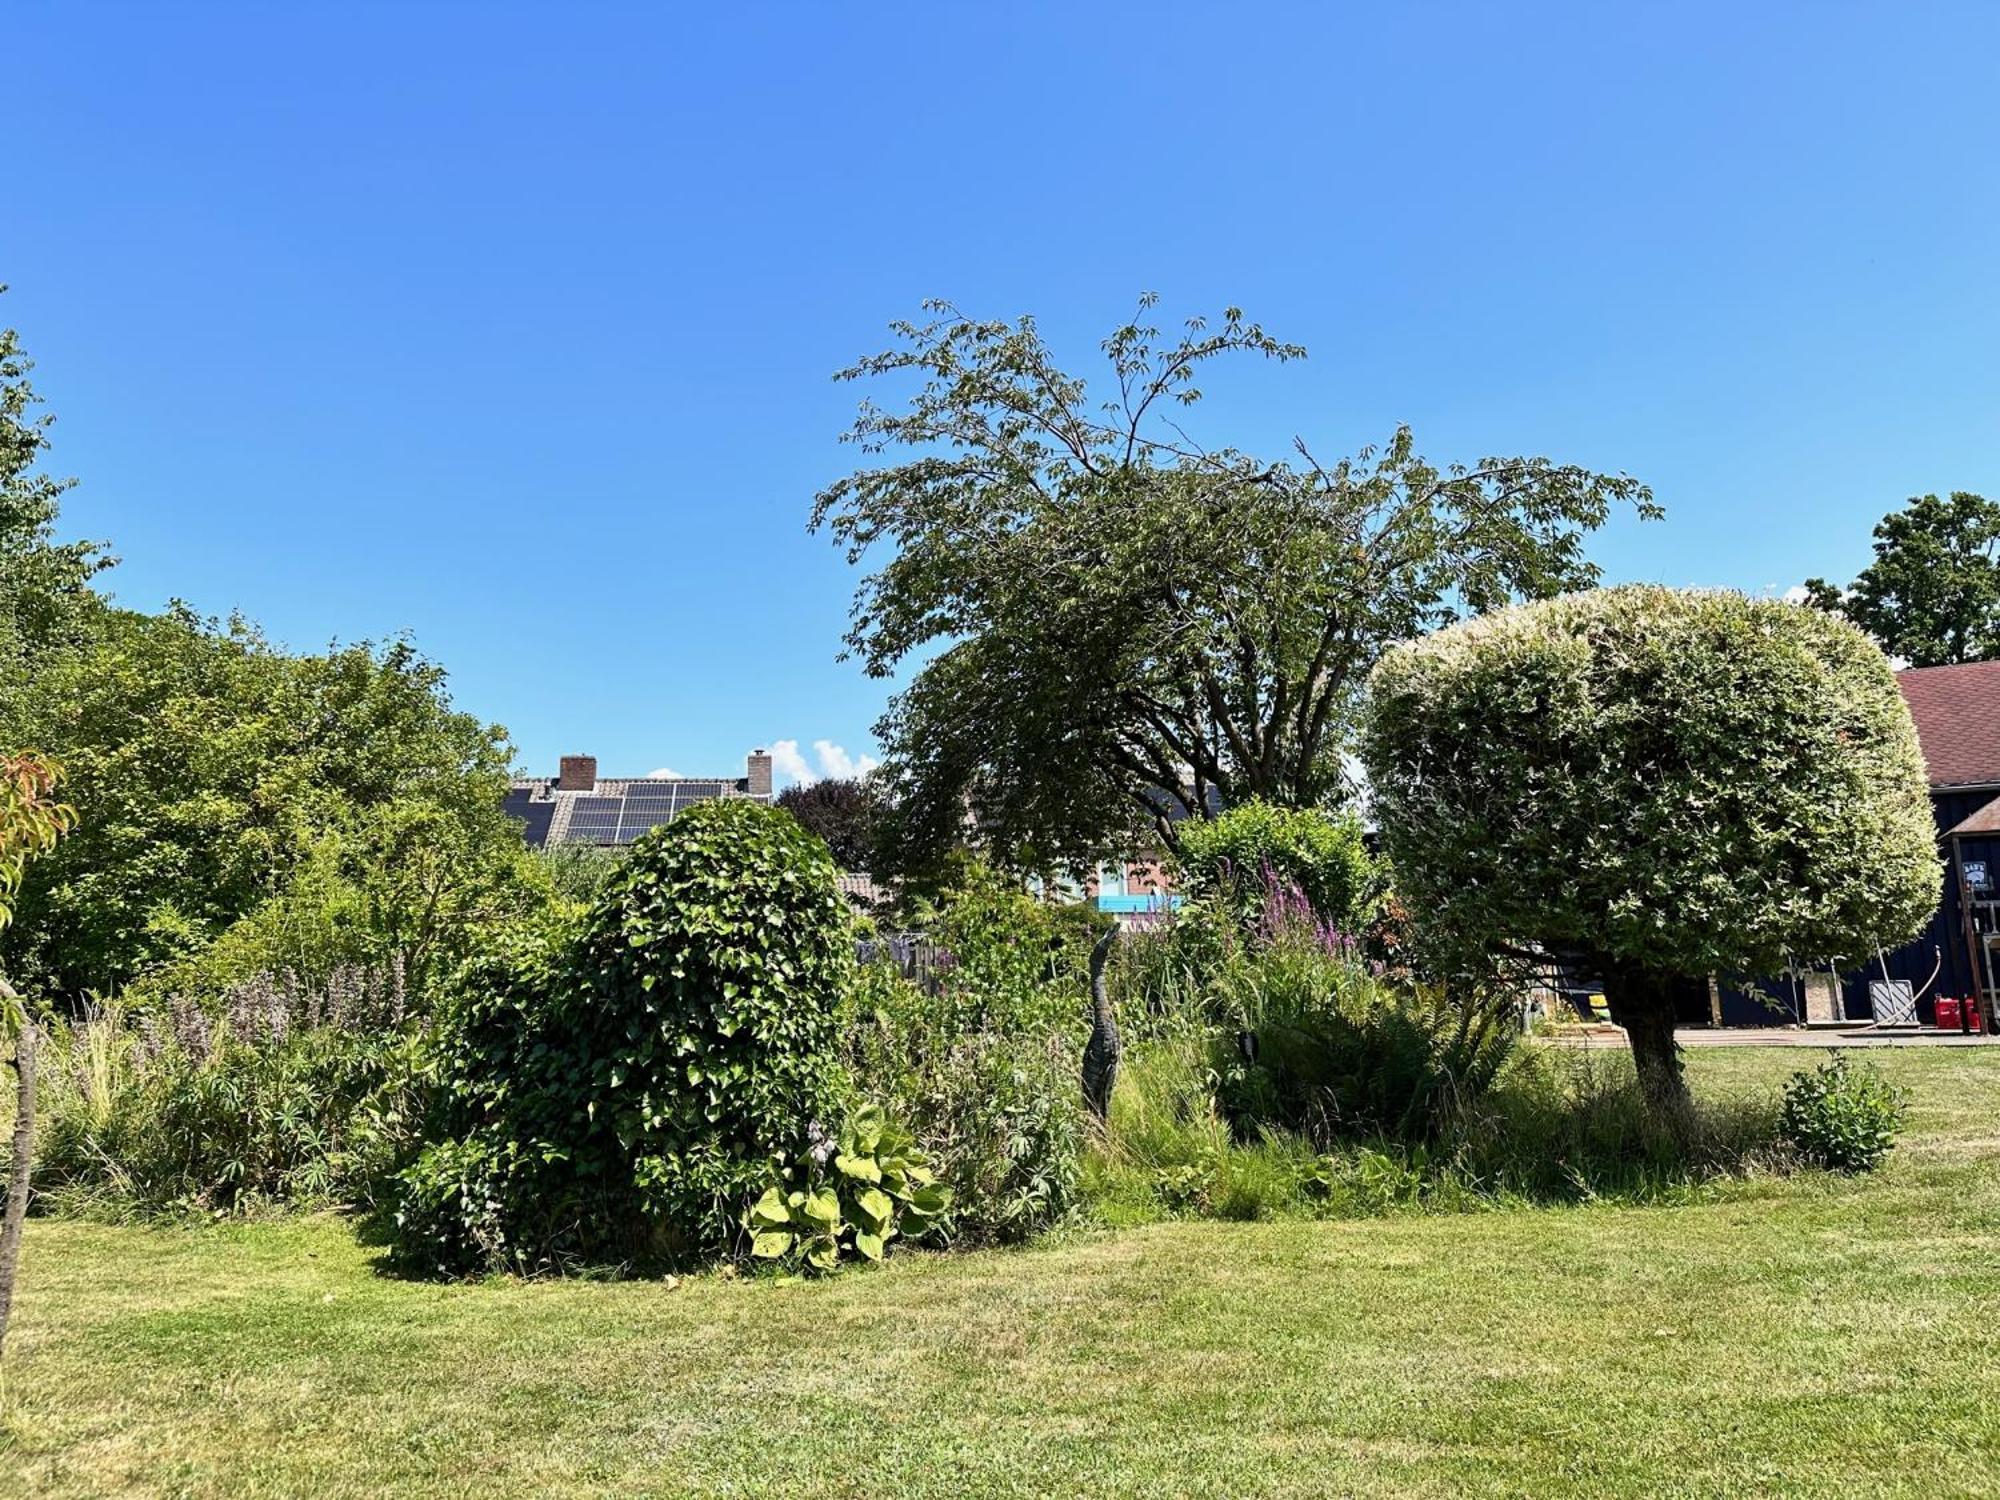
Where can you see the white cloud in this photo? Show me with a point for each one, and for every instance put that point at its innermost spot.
(789, 764)
(667, 773)
(836, 762)
(1796, 594)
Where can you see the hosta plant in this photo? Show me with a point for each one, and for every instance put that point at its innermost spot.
(1842, 1116)
(848, 1197)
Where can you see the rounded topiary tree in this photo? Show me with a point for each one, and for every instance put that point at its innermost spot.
(1660, 783)
(722, 948)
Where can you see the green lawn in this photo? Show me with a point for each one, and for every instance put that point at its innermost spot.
(1803, 1337)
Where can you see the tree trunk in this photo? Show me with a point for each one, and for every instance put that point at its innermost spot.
(1100, 1054)
(17, 1177)
(1642, 1001)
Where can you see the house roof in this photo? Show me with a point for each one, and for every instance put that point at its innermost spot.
(614, 811)
(1986, 821)
(1957, 710)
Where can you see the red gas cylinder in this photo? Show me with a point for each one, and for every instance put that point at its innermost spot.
(1973, 1020)
(1947, 1013)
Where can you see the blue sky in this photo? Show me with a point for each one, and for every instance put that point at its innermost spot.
(512, 327)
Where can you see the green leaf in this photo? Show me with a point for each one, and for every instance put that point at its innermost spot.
(770, 1209)
(770, 1244)
(870, 1245)
(862, 1168)
(823, 1207)
(876, 1207)
(867, 1126)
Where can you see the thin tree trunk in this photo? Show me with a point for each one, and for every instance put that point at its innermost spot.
(1642, 1001)
(1100, 1054)
(17, 1177)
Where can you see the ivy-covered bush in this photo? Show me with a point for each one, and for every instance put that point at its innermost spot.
(1841, 1116)
(1239, 857)
(618, 1090)
(522, 1177)
(847, 1197)
(724, 948)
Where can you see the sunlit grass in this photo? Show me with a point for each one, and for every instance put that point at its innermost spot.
(1783, 1336)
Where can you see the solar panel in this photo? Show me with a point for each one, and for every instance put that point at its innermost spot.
(614, 818)
(594, 819)
(642, 818)
(534, 819)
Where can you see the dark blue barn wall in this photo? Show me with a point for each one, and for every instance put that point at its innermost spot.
(1940, 947)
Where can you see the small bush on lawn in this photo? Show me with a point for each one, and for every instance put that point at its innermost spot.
(847, 1197)
(617, 1092)
(999, 1113)
(1842, 1116)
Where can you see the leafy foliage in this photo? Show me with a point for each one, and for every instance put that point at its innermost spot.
(1932, 594)
(876, 1186)
(1012, 963)
(841, 810)
(31, 820)
(616, 1092)
(336, 800)
(725, 936)
(44, 584)
(1131, 620)
(1237, 856)
(1841, 1116)
(996, 1108)
(1665, 783)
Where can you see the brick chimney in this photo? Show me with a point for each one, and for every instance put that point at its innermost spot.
(578, 774)
(759, 766)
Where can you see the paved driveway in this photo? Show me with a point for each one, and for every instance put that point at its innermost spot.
(1784, 1036)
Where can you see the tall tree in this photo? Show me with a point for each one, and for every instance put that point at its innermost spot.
(44, 584)
(216, 775)
(31, 820)
(1932, 594)
(840, 810)
(1126, 623)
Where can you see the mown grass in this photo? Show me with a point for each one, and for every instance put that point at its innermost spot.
(1802, 1336)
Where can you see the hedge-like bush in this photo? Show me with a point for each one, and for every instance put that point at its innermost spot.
(724, 947)
(619, 1091)
(1240, 855)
